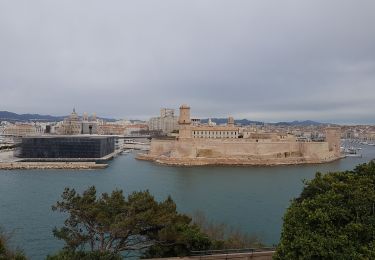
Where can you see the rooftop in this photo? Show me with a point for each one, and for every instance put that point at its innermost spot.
(69, 136)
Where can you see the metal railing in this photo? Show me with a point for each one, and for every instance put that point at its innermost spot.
(231, 251)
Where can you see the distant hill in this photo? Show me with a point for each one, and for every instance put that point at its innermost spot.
(249, 122)
(299, 123)
(220, 121)
(9, 116)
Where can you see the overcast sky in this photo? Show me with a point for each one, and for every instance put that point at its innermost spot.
(261, 60)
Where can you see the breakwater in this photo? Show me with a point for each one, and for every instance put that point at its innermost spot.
(232, 161)
(50, 165)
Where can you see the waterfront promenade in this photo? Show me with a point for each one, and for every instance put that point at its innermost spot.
(9, 162)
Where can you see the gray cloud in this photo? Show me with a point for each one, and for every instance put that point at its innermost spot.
(264, 60)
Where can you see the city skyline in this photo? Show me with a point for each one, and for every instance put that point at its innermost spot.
(274, 61)
(44, 118)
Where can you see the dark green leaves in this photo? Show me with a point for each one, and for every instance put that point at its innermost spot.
(334, 218)
(112, 223)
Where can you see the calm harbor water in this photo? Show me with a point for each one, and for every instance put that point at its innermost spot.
(251, 198)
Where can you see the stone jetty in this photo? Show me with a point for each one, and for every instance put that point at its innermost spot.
(51, 165)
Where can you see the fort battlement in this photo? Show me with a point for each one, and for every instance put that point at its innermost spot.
(223, 145)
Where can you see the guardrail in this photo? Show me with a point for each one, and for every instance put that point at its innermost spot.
(231, 251)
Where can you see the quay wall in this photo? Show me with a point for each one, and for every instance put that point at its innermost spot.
(50, 165)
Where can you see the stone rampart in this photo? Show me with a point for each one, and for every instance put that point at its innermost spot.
(237, 152)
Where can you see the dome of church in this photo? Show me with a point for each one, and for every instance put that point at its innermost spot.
(73, 115)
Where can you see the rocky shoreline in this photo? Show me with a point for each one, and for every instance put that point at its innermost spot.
(164, 160)
(51, 165)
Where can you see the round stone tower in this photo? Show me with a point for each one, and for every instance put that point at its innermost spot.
(184, 122)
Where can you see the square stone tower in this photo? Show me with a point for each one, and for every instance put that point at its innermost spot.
(333, 137)
(184, 122)
(230, 121)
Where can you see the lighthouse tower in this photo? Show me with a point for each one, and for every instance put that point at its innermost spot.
(184, 122)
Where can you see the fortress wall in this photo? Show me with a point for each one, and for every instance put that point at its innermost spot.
(161, 147)
(333, 135)
(211, 148)
(316, 150)
(184, 149)
(243, 149)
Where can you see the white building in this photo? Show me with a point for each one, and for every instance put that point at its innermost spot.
(167, 122)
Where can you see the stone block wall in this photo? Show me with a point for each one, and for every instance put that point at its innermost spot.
(241, 149)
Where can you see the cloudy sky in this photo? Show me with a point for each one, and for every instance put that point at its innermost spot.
(262, 60)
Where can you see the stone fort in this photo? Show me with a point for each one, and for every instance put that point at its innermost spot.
(233, 145)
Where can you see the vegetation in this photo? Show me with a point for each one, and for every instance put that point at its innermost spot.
(6, 253)
(223, 236)
(112, 226)
(334, 218)
(178, 240)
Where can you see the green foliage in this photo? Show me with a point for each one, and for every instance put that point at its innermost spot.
(223, 236)
(112, 223)
(178, 240)
(83, 255)
(103, 227)
(199, 235)
(5, 252)
(334, 218)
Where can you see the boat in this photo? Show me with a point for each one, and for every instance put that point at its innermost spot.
(126, 151)
(352, 152)
(354, 155)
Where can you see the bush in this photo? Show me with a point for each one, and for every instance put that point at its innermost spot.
(6, 253)
(223, 236)
(334, 218)
(179, 240)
